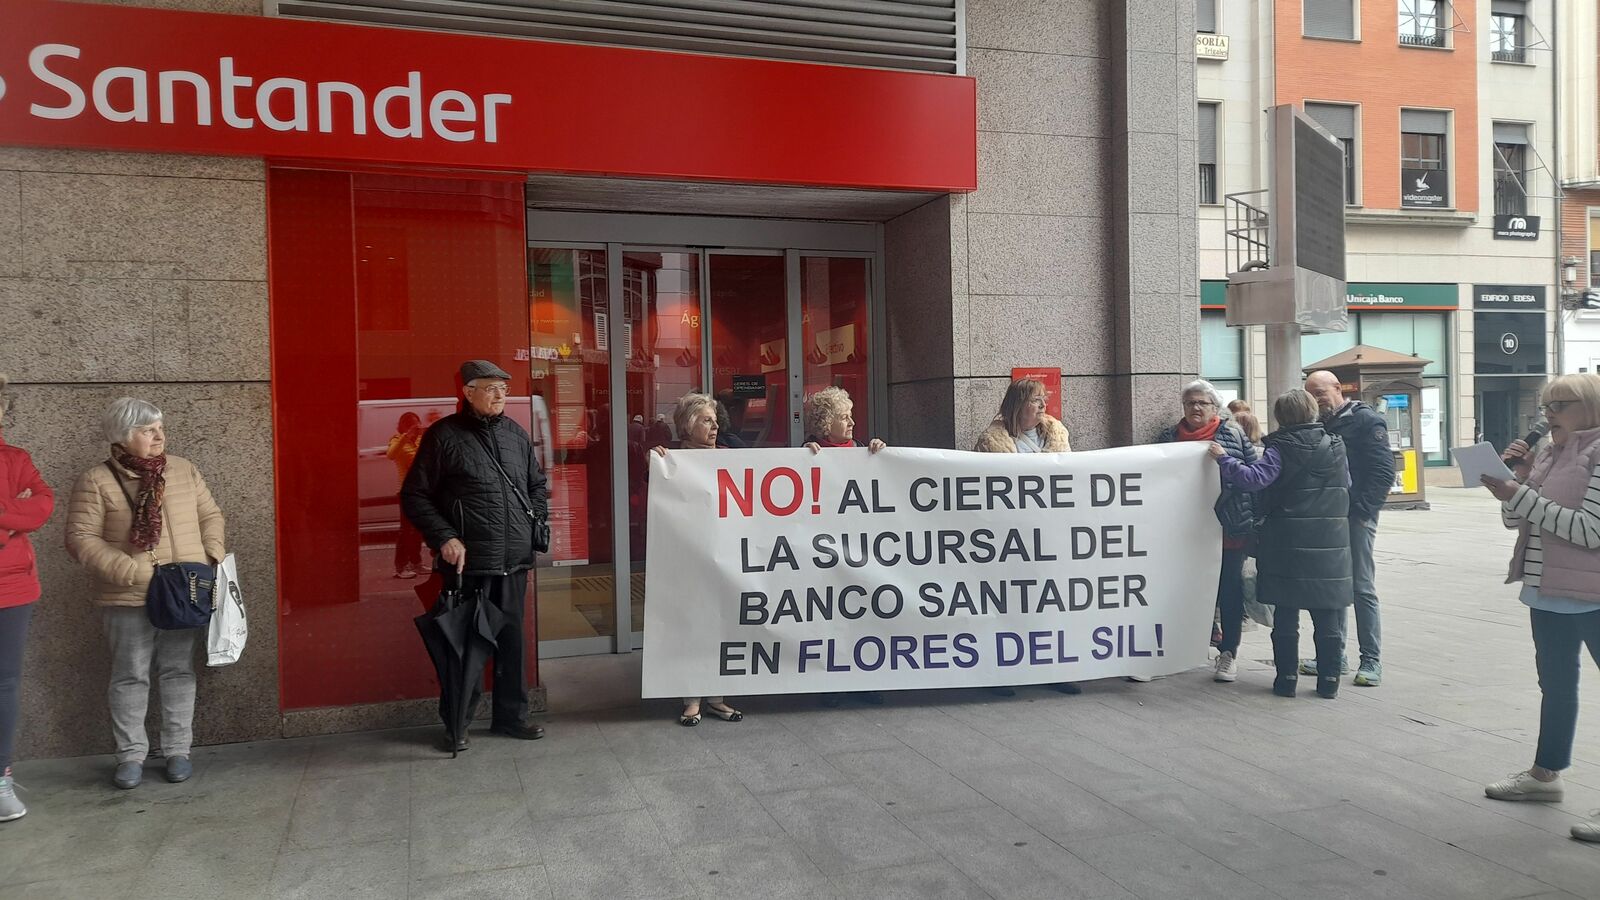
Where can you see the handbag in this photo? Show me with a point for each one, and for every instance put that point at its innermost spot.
(541, 526)
(180, 595)
(228, 632)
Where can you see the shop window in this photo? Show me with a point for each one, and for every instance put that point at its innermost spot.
(1221, 348)
(1209, 182)
(1422, 22)
(1508, 25)
(1510, 169)
(1205, 16)
(1340, 121)
(1329, 19)
(1424, 158)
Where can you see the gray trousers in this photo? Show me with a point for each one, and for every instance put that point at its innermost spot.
(136, 647)
(1368, 632)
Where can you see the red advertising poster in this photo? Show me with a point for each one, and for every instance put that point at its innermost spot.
(569, 514)
(1052, 386)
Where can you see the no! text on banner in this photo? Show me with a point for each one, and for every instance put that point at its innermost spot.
(781, 571)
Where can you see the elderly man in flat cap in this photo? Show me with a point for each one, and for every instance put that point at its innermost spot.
(477, 495)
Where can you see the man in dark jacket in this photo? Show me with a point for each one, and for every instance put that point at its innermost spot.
(475, 492)
(1366, 439)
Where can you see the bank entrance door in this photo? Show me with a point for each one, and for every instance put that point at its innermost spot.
(621, 328)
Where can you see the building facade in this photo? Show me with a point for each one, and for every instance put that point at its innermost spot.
(1447, 113)
(1579, 156)
(287, 225)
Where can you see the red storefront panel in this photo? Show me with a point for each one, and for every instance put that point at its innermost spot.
(81, 75)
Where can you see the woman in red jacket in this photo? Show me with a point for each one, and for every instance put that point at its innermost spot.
(25, 504)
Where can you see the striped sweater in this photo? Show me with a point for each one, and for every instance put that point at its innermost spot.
(1579, 527)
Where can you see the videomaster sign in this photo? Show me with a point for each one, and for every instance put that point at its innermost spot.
(127, 78)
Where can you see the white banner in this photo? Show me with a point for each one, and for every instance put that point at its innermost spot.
(780, 571)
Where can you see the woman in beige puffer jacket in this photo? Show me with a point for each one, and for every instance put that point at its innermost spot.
(120, 550)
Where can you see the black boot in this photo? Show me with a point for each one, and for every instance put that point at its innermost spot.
(1284, 685)
(1330, 662)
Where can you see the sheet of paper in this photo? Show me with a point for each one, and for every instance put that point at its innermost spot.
(1478, 460)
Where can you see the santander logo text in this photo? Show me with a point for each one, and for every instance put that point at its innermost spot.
(226, 97)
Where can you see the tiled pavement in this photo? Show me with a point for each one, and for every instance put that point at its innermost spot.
(1176, 789)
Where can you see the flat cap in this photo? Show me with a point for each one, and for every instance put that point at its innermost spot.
(474, 369)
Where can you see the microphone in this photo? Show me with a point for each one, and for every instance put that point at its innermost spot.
(1540, 429)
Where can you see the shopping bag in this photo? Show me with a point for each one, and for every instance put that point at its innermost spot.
(226, 636)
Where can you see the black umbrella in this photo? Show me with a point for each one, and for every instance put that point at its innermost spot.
(459, 633)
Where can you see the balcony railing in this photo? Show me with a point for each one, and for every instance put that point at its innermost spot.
(1510, 195)
(1514, 55)
(1427, 37)
(1208, 183)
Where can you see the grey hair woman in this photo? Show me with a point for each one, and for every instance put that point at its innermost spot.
(140, 509)
(695, 418)
(831, 421)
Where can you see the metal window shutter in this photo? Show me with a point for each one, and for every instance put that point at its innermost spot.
(1509, 7)
(916, 35)
(1424, 121)
(1208, 134)
(1205, 16)
(1510, 133)
(1330, 18)
(1339, 119)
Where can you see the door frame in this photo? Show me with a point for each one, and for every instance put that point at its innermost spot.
(619, 233)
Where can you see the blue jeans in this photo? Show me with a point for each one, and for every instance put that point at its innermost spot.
(1365, 574)
(1557, 638)
(13, 637)
(1230, 598)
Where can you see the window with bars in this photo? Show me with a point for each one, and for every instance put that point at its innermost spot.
(1510, 169)
(1422, 22)
(1209, 180)
(1329, 19)
(1506, 38)
(1340, 121)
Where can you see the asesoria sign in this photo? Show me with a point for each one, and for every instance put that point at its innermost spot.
(111, 77)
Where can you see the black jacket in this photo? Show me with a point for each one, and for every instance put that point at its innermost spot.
(1303, 551)
(455, 491)
(1235, 509)
(1366, 439)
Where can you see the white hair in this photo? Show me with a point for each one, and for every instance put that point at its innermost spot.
(1202, 386)
(688, 405)
(126, 414)
(824, 408)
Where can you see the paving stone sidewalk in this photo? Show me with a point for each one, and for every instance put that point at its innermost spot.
(1177, 789)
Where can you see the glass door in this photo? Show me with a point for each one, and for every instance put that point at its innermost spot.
(750, 347)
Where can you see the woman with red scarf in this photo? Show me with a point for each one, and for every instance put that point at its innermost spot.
(137, 510)
(830, 423)
(1203, 420)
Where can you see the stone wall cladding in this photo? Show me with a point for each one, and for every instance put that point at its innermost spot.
(127, 274)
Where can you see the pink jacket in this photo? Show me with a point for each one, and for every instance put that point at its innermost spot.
(1562, 498)
(19, 574)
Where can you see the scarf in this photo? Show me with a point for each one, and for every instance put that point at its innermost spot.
(824, 442)
(146, 533)
(1205, 432)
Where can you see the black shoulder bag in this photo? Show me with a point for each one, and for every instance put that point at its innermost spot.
(541, 527)
(181, 595)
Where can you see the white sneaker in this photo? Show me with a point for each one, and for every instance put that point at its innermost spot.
(10, 807)
(1140, 679)
(1227, 668)
(1588, 831)
(1523, 786)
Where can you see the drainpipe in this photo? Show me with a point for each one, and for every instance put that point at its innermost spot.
(1558, 192)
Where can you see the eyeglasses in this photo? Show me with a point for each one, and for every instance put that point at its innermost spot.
(1198, 404)
(1555, 406)
(1039, 401)
(497, 389)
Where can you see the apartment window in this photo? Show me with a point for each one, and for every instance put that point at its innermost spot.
(1424, 161)
(1510, 169)
(1329, 19)
(1340, 121)
(1207, 133)
(1508, 26)
(1594, 252)
(1205, 16)
(1422, 22)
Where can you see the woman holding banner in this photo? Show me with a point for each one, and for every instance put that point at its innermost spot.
(1204, 420)
(1024, 427)
(1303, 550)
(831, 422)
(696, 419)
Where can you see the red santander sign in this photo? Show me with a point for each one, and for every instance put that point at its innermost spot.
(127, 78)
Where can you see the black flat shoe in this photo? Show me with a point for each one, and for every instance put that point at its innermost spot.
(727, 715)
(519, 730)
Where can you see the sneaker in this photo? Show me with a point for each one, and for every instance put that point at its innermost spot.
(1370, 674)
(1523, 786)
(12, 809)
(407, 571)
(128, 774)
(1588, 831)
(1309, 666)
(1141, 679)
(1227, 669)
(179, 769)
